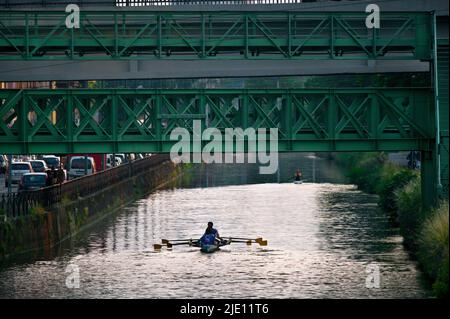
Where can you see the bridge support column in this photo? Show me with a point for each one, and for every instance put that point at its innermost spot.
(429, 182)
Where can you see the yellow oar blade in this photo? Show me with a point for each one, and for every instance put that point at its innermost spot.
(157, 246)
(164, 241)
(248, 242)
(262, 242)
(169, 245)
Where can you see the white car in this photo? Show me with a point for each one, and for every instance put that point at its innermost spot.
(123, 158)
(18, 169)
(3, 163)
(109, 161)
(77, 166)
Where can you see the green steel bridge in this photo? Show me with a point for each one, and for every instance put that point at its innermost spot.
(141, 120)
(129, 120)
(43, 35)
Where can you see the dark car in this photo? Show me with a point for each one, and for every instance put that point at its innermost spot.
(52, 161)
(32, 181)
(39, 166)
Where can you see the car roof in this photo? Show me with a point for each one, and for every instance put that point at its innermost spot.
(78, 157)
(42, 161)
(21, 163)
(28, 174)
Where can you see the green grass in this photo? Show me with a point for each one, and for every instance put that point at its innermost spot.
(392, 178)
(373, 174)
(364, 169)
(433, 249)
(409, 212)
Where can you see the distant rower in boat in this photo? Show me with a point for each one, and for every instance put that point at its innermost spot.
(210, 236)
(298, 176)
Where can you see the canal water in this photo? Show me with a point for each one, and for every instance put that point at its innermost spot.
(325, 238)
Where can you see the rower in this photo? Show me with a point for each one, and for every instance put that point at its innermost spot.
(298, 175)
(210, 236)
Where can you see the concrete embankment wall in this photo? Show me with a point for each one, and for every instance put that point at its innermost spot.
(38, 233)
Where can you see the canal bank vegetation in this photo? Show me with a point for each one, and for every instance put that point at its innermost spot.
(433, 248)
(425, 233)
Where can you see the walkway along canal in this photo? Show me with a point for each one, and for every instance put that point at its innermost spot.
(324, 236)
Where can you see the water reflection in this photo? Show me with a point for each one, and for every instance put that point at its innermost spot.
(321, 238)
(315, 170)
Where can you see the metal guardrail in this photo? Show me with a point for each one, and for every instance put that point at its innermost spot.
(20, 204)
(134, 3)
(17, 204)
(139, 3)
(51, 3)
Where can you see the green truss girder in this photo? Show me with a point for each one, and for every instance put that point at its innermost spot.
(115, 35)
(141, 120)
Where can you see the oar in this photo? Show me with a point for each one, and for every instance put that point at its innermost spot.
(169, 245)
(248, 242)
(260, 241)
(165, 241)
(240, 238)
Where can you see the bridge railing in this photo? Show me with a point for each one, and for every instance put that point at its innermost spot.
(133, 3)
(21, 204)
(137, 3)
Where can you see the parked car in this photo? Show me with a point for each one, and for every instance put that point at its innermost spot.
(3, 163)
(123, 157)
(39, 166)
(51, 161)
(77, 166)
(18, 169)
(99, 159)
(32, 181)
(109, 161)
